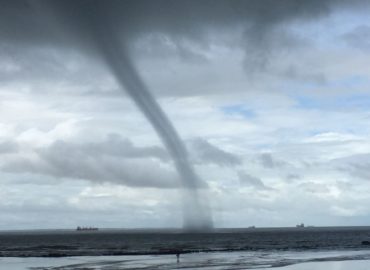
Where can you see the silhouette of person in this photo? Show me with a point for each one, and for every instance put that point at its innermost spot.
(178, 257)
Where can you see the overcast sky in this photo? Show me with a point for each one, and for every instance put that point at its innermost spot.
(271, 99)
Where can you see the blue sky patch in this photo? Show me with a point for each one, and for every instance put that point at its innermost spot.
(239, 109)
(348, 101)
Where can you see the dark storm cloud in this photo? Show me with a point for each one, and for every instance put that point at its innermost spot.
(19, 18)
(160, 46)
(208, 153)
(35, 31)
(39, 22)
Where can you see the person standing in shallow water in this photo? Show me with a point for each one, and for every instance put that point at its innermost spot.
(178, 257)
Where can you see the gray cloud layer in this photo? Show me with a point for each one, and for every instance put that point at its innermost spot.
(208, 153)
(252, 181)
(355, 165)
(359, 38)
(113, 160)
(8, 147)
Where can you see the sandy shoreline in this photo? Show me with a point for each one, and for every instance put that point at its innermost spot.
(341, 265)
(333, 260)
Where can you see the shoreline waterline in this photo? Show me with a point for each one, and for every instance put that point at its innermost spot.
(210, 261)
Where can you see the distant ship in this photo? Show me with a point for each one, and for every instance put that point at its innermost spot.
(300, 225)
(86, 228)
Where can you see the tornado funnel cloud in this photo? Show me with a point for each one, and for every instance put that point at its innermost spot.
(115, 53)
(93, 26)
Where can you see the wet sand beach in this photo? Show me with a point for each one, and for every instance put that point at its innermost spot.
(334, 260)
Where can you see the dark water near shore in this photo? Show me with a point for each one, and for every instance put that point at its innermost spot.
(61, 243)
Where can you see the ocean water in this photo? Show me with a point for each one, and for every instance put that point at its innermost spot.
(285, 248)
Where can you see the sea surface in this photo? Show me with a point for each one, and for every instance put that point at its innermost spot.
(253, 248)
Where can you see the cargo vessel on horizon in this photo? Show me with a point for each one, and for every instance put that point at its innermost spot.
(86, 228)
